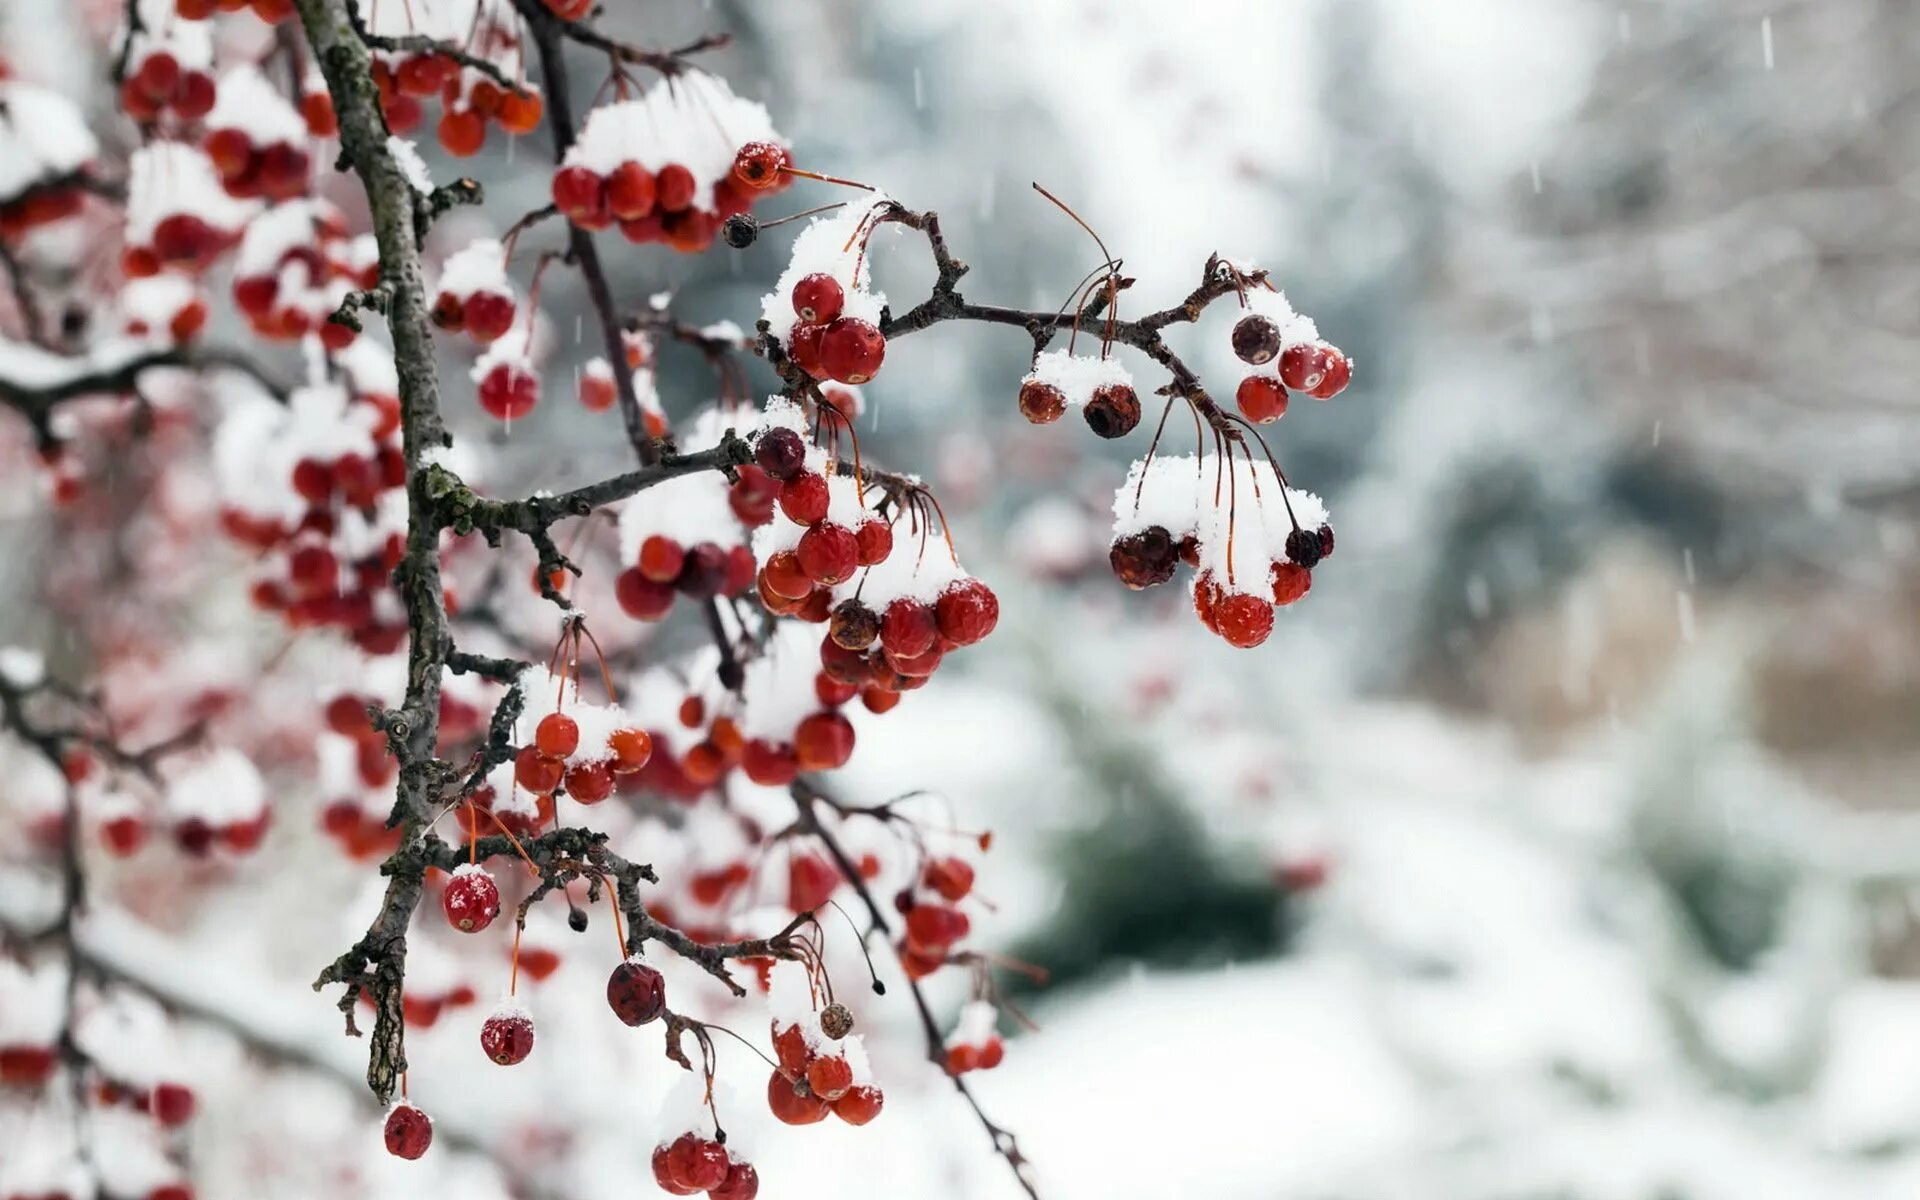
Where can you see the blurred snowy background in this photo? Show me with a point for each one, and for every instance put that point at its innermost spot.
(1561, 843)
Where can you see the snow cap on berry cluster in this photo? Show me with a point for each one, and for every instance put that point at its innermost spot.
(32, 1002)
(154, 300)
(829, 245)
(693, 119)
(597, 722)
(1295, 328)
(1177, 493)
(1077, 375)
(129, 1040)
(220, 787)
(42, 137)
(190, 42)
(689, 509)
(247, 101)
(282, 229)
(165, 178)
(509, 1008)
(777, 692)
(370, 367)
(790, 1002)
(259, 442)
(479, 266)
(127, 1153)
(921, 567)
(977, 1024)
(510, 347)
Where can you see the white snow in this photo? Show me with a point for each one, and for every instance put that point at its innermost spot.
(247, 101)
(42, 137)
(221, 786)
(694, 120)
(478, 266)
(1077, 375)
(171, 177)
(829, 245)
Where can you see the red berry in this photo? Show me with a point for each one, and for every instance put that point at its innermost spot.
(123, 835)
(636, 993)
(1262, 400)
(780, 452)
(785, 577)
(1339, 369)
(630, 192)
(742, 1183)
(829, 1077)
(661, 558)
(409, 1132)
(805, 498)
(818, 298)
(157, 75)
(823, 741)
(662, 1161)
(878, 699)
(462, 133)
(631, 749)
(697, 1163)
(908, 628)
(1244, 620)
(538, 773)
(27, 1066)
(951, 877)
(597, 391)
(579, 193)
(932, 929)
(861, 1104)
(811, 882)
(674, 188)
(557, 735)
(171, 1103)
(828, 553)
(590, 783)
(1304, 365)
(792, 1105)
(641, 598)
(488, 315)
(851, 350)
(790, 1047)
(967, 612)
(757, 166)
(509, 392)
(471, 899)
(1041, 403)
(769, 764)
(875, 538)
(1290, 582)
(193, 99)
(507, 1036)
(803, 346)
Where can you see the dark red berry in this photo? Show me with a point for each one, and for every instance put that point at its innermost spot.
(1113, 410)
(1256, 339)
(637, 993)
(409, 1132)
(1145, 559)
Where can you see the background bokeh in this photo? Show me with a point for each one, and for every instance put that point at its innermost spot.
(1561, 843)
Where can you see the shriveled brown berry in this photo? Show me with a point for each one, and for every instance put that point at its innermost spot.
(853, 625)
(836, 1020)
(1113, 410)
(1145, 559)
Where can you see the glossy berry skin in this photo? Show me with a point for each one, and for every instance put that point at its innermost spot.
(1303, 546)
(661, 558)
(641, 598)
(1112, 411)
(1261, 398)
(861, 1104)
(823, 741)
(1244, 620)
(743, 1183)
(875, 538)
(557, 735)
(852, 350)
(1042, 403)
(780, 453)
(578, 193)
(471, 900)
(408, 1132)
(757, 166)
(818, 298)
(951, 877)
(171, 1103)
(636, 993)
(828, 553)
(829, 1077)
(487, 315)
(1290, 582)
(590, 783)
(674, 188)
(697, 1163)
(811, 882)
(1338, 372)
(507, 1037)
(792, 1105)
(1256, 339)
(508, 392)
(804, 498)
(662, 1164)
(967, 612)
(908, 628)
(933, 929)
(630, 192)
(632, 748)
(538, 773)
(1305, 367)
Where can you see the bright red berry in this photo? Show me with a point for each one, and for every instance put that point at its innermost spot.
(471, 900)
(1290, 582)
(641, 598)
(908, 628)
(757, 166)
(1261, 398)
(852, 350)
(630, 192)
(507, 1035)
(861, 1104)
(1244, 620)
(828, 553)
(805, 498)
(791, 1104)
(818, 298)
(590, 783)
(823, 741)
(829, 1077)
(967, 612)
(557, 735)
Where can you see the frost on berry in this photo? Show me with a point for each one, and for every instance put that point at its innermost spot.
(471, 898)
(506, 1036)
(408, 1132)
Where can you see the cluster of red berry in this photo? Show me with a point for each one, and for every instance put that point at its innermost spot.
(666, 568)
(816, 1075)
(691, 1164)
(975, 1043)
(156, 83)
(474, 296)
(181, 241)
(1313, 367)
(256, 140)
(635, 165)
(294, 266)
(934, 922)
(469, 101)
(1099, 387)
(163, 303)
(38, 206)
